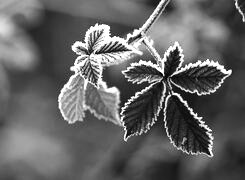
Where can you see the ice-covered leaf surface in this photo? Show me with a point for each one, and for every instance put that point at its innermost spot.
(185, 129)
(79, 48)
(96, 35)
(114, 51)
(91, 69)
(173, 59)
(143, 72)
(71, 99)
(99, 49)
(103, 102)
(141, 111)
(240, 5)
(201, 77)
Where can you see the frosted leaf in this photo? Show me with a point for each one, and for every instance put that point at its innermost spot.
(103, 102)
(80, 59)
(141, 110)
(71, 99)
(173, 59)
(79, 48)
(185, 129)
(143, 72)
(115, 50)
(96, 35)
(201, 77)
(90, 68)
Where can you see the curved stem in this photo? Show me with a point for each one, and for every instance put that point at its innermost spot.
(149, 22)
(154, 16)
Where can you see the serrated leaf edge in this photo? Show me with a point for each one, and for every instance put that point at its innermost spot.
(202, 124)
(122, 41)
(62, 91)
(149, 125)
(170, 49)
(131, 50)
(113, 90)
(93, 59)
(97, 27)
(141, 62)
(199, 63)
(75, 46)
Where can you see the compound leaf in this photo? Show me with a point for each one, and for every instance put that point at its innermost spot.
(96, 35)
(184, 128)
(201, 77)
(103, 102)
(240, 5)
(173, 59)
(141, 111)
(115, 50)
(89, 67)
(143, 72)
(71, 99)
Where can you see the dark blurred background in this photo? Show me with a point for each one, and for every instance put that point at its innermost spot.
(35, 56)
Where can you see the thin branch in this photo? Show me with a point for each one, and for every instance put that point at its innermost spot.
(149, 22)
(154, 16)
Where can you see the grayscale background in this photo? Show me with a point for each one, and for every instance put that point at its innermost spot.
(35, 57)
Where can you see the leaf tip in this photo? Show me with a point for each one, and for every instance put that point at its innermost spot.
(210, 153)
(181, 142)
(127, 135)
(79, 48)
(228, 72)
(177, 45)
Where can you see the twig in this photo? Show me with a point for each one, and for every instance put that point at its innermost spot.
(154, 16)
(149, 22)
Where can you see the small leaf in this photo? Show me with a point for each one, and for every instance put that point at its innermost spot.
(71, 99)
(201, 77)
(173, 59)
(79, 48)
(185, 129)
(103, 102)
(90, 68)
(95, 36)
(114, 51)
(240, 5)
(141, 111)
(80, 59)
(143, 72)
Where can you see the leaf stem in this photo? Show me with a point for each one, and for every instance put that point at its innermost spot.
(154, 16)
(149, 22)
(152, 50)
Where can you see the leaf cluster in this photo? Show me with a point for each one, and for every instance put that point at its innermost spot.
(184, 128)
(87, 91)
